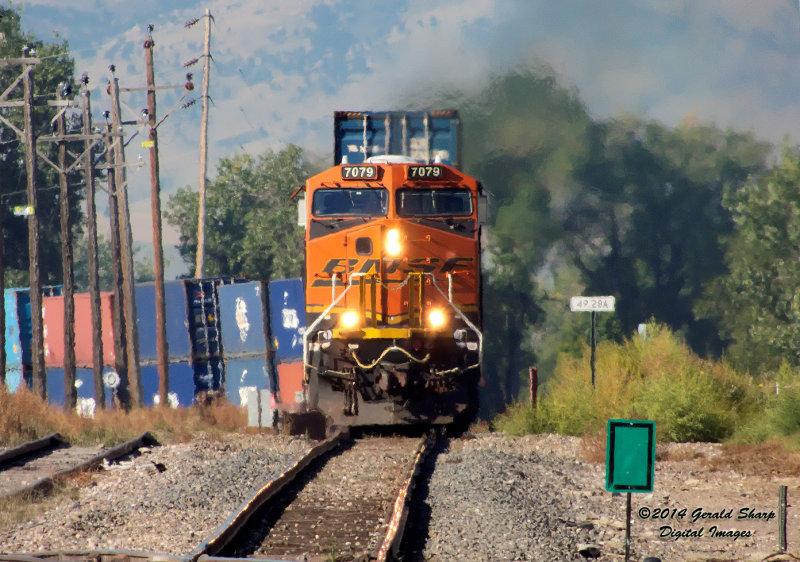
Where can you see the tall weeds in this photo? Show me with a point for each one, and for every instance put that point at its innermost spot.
(24, 417)
(656, 378)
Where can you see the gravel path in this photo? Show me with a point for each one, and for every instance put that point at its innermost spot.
(490, 497)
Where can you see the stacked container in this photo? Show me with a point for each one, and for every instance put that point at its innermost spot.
(18, 337)
(53, 317)
(19, 334)
(244, 323)
(194, 348)
(287, 326)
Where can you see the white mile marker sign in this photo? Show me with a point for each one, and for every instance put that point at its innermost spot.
(592, 304)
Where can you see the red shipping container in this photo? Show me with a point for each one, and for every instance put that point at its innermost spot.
(53, 315)
(291, 393)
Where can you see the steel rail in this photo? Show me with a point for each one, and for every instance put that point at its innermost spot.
(45, 485)
(92, 556)
(226, 533)
(397, 522)
(50, 442)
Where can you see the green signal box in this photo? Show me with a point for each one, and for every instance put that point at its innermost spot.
(630, 456)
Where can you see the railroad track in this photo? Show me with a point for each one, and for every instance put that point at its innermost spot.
(34, 467)
(346, 500)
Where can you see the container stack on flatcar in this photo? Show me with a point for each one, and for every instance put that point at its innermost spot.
(245, 327)
(53, 317)
(287, 326)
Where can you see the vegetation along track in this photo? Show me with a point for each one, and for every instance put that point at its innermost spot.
(347, 500)
(34, 466)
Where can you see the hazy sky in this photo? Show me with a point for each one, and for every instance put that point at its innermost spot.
(280, 68)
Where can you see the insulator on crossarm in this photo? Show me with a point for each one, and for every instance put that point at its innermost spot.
(190, 62)
(191, 22)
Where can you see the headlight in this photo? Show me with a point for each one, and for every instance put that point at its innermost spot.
(436, 318)
(393, 246)
(349, 319)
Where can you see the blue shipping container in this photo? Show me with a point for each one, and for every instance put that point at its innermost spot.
(84, 384)
(11, 298)
(176, 320)
(181, 385)
(242, 319)
(245, 376)
(287, 311)
(422, 135)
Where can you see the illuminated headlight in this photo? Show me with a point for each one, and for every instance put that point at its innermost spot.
(436, 318)
(349, 319)
(393, 246)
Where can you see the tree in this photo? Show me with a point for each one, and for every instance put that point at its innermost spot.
(650, 225)
(56, 68)
(251, 224)
(524, 135)
(758, 300)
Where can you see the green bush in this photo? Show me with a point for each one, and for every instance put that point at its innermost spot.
(656, 378)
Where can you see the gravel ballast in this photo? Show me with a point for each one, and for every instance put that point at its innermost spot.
(490, 497)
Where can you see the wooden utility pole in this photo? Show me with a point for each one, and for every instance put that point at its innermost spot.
(126, 251)
(201, 217)
(91, 235)
(3, 357)
(120, 347)
(37, 335)
(68, 277)
(158, 252)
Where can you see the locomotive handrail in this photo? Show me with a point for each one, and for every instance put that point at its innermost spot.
(325, 313)
(463, 316)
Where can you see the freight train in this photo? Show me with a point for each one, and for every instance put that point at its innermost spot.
(393, 292)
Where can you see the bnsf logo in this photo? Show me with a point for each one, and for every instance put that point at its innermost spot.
(340, 266)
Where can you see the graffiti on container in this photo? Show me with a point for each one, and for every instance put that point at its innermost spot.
(85, 407)
(291, 321)
(172, 400)
(241, 318)
(245, 392)
(111, 379)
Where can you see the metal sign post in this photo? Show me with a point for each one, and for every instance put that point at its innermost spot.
(593, 305)
(630, 462)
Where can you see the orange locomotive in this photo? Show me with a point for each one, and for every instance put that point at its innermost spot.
(393, 292)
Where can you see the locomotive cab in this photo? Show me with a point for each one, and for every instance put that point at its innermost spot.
(392, 281)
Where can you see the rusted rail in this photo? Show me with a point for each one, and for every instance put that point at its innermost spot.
(12, 455)
(45, 485)
(397, 522)
(227, 532)
(92, 556)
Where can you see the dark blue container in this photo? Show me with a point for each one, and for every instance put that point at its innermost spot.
(243, 376)
(287, 312)
(422, 135)
(202, 305)
(243, 319)
(208, 374)
(177, 322)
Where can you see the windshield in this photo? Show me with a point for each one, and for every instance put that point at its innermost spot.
(434, 202)
(349, 202)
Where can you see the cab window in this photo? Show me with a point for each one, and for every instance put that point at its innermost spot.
(349, 202)
(434, 202)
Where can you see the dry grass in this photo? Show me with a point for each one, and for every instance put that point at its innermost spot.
(762, 459)
(24, 417)
(593, 447)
